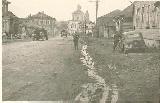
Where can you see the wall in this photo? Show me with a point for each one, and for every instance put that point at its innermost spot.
(146, 15)
(151, 37)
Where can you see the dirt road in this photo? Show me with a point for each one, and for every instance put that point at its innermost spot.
(51, 71)
(41, 70)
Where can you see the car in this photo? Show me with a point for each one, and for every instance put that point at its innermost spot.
(40, 34)
(133, 42)
(63, 33)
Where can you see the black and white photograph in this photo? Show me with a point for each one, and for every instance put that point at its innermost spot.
(80, 51)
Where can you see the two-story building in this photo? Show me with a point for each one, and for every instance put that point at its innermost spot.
(40, 20)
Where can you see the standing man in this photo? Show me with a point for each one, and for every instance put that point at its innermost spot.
(117, 38)
(75, 40)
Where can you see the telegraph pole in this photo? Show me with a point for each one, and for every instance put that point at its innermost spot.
(97, 5)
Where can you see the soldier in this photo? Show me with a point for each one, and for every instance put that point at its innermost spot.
(75, 40)
(117, 37)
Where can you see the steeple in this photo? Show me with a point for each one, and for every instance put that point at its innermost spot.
(79, 7)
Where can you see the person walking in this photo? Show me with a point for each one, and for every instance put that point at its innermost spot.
(75, 40)
(117, 38)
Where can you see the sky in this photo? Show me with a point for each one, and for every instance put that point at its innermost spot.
(62, 9)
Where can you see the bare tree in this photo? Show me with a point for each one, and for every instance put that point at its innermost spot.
(118, 21)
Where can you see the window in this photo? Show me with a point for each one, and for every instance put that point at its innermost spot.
(48, 22)
(77, 18)
(142, 9)
(142, 14)
(44, 22)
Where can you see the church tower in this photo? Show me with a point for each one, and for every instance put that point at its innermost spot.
(78, 15)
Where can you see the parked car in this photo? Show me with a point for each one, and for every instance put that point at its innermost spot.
(40, 34)
(133, 42)
(63, 33)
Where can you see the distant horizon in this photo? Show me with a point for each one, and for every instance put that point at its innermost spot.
(63, 9)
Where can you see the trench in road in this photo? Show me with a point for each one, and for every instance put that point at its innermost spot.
(100, 82)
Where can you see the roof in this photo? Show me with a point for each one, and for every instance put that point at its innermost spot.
(113, 13)
(6, 2)
(108, 18)
(127, 12)
(10, 15)
(41, 15)
(78, 11)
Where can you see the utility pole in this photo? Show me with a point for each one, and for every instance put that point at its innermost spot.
(97, 5)
(133, 13)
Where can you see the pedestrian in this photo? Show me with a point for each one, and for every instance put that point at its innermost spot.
(75, 40)
(117, 37)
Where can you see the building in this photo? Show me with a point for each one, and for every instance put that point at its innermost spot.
(10, 22)
(105, 24)
(146, 19)
(40, 20)
(146, 15)
(143, 16)
(90, 27)
(80, 22)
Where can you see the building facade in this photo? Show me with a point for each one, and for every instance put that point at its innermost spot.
(80, 22)
(143, 16)
(146, 15)
(10, 22)
(40, 20)
(105, 24)
(146, 19)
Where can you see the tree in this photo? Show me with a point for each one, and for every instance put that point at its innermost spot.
(157, 4)
(118, 21)
(63, 25)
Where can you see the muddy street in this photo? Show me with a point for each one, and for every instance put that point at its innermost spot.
(52, 71)
(40, 70)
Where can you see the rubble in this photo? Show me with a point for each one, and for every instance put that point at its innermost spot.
(94, 92)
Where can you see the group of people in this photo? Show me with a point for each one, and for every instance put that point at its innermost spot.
(117, 40)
